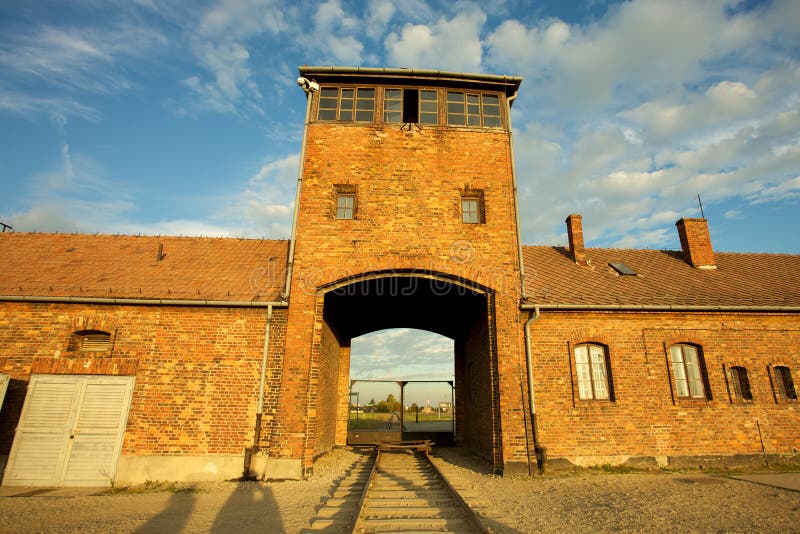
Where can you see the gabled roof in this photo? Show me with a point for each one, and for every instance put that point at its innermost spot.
(663, 279)
(124, 266)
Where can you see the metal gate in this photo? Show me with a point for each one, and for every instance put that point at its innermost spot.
(70, 431)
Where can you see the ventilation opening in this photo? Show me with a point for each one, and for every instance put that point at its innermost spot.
(90, 341)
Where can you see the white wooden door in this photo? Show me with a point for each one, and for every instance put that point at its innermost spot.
(3, 387)
(70, 431)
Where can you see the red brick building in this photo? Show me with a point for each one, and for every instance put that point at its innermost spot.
(134, 358)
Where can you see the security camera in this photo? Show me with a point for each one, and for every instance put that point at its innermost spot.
(307, 85)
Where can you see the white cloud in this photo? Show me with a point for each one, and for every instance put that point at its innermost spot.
(74, 196)
(265, 205)
(232, 84)
(84, 58)
(631, 116)
(240, 19)
(379, 13)
(336, 34)
(401, 353)
(61, 107)
(448, 44)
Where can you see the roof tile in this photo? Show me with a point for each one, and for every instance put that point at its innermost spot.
(122, 266)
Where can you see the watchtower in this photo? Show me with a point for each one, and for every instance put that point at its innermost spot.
(406, 216)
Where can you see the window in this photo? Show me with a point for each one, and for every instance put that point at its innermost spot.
(393, 105)
(471, 109)
(90, 341)
(784, 382)
(592, 371)
(687, 370)
(410, 106)
(346, 104)
(345, 205)
(365, 105)
(472, 207)
(739, 383)
(428, 107)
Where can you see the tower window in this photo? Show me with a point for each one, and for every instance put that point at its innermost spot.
(472, 109)
(345, 197)
(472, 211)
(345, 205)
(410, 106)
(346, 104)
(428, 107)
(393, 105)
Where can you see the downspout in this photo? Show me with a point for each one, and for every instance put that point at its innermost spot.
(540, 452)
(308, 87)
(509, 101)
(248, 456)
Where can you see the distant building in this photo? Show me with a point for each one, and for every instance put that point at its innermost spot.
(154, 358)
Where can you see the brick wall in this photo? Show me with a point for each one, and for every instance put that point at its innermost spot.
(197, 369)
(408, 217)
(646, 418)
(327, 391)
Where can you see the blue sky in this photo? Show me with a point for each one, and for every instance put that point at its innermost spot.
(179, 117)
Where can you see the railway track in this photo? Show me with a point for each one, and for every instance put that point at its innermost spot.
(398, 489)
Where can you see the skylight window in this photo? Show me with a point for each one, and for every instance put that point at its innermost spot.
(622, 269)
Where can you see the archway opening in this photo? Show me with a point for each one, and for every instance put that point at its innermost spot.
(401, 387)
(455, 309)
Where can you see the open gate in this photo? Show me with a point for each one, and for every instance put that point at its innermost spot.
(401, 417)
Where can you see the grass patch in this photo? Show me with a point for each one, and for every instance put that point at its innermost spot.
(157, 486)
(620, 469)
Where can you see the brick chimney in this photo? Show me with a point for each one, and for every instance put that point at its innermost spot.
(575, 233)
(696, 243)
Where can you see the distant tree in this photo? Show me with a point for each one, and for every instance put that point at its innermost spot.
(413, 408)
(391, 404)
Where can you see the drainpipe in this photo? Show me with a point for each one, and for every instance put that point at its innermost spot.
(248, 455)
(540, 452)
(309, 87)
(509, 101)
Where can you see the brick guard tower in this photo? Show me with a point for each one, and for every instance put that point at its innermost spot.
(406, 217)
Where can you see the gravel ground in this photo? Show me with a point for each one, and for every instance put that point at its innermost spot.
(595, 501)
(588, 502)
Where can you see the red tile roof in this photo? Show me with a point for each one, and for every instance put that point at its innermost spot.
(663, 279)
(223, 269)
(123, 266)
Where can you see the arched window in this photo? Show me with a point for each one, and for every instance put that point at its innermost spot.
(90, 341)
(688, 371)
(784, 382)
(739, 383)
(591, 368)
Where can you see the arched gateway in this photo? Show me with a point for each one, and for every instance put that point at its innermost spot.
(406, 216)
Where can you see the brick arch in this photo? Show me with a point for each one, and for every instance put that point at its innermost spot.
(102, 322)
(99, 322)
(686, 337)
(589, 335)
(461, 265)
(405, 273)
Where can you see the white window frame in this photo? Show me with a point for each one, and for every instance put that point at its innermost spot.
(591, 369)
